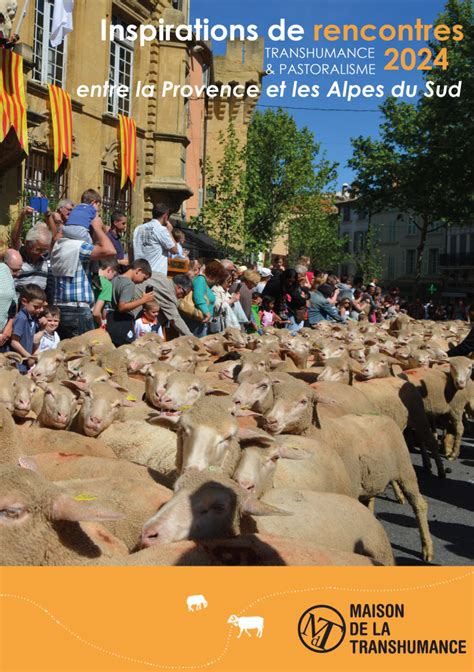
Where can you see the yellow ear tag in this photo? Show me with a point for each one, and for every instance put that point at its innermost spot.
(111, 371)
(96, 342)
(84, 497)
(184, 408)
(130, 397)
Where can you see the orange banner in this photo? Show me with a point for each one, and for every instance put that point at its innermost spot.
(258, 619)
(61, 117)
(12, 97)
(128, 148)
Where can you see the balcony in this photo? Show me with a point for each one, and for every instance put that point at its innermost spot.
(456, 260)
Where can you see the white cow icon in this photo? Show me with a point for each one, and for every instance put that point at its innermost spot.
(246, 623)
(198, 601)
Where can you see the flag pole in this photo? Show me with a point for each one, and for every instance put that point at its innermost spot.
(22, 16)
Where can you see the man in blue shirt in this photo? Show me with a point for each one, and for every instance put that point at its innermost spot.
(321, 309)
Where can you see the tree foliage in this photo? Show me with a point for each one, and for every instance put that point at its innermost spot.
(223, 213)
(422, 163)
(283, 166)
(314, 232)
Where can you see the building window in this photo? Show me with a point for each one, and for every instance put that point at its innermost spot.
(410, 262)
(40, 177)
(120, 72)
(433, 261)
(390, 268)
(453, 243)
(178, 4)
(359, 241)
(392, 232)
(50, 62)
(115, 198)
(411, 228)
(346, 213)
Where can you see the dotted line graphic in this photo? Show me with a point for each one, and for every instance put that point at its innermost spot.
(212, 662)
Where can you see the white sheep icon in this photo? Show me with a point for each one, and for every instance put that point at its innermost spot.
(198, 601)
(246, 623)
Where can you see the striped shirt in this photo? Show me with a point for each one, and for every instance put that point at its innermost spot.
(32, 273)
(77, 288)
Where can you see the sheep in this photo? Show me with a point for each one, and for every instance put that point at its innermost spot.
(50, 365)
(101, 406)
(9, 360)
(372, 448)
(39, 524)
(394, 397)
(198, 601)
(445, 395)
(61, 466)
(145, 444)
(208, 436)
(246, 623)
(59, 405)
(35, 440)
(298, 350)
(155, 381)
(16, 392)
(245, 550)
(208, 506)
(293, 462)
(134, 499)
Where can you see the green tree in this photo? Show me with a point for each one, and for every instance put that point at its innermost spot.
(369, 260)
(417, 165)
(314, 232)
(222, 215)
(283, 166)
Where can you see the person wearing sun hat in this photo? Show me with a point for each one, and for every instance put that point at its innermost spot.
(265, 274)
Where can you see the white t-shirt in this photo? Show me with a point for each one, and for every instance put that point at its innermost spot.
(49, 342)
(152, 241)
(143, 327)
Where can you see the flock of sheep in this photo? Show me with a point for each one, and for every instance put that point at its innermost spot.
(233, 449)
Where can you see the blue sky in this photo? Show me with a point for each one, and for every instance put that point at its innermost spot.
(332, 129)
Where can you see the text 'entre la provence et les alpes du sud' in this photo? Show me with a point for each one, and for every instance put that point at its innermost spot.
(406, 59)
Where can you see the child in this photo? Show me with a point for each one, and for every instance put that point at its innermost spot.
(255, 323)
(267, 315)
(121, 320)
(81, 217)
(108, 270)
(25, 337)
(49, 339)
(180, 238)
(148, 320)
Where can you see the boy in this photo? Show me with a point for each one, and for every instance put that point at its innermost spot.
(25, 337)
(81, 217)
(108, 270)
(255, 321)
(118, 226)
(148, 320)
(120, 320)
(49, 339)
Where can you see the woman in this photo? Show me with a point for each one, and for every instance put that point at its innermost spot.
(250, 280)
(203, 296)
(224, 302)
(344, 307)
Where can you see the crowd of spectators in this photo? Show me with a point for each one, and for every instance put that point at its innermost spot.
(70, 274)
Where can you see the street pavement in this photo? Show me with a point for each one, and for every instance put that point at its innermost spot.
(450, 513)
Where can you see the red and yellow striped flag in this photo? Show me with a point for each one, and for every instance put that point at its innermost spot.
(12, 97)
(61, 117)
(128, 148)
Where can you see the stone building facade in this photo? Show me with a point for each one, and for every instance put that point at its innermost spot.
(84, 59)
(448, 260)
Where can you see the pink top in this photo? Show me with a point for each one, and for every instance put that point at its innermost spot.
(267, 318)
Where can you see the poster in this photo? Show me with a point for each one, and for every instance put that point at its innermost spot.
(343, 132)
